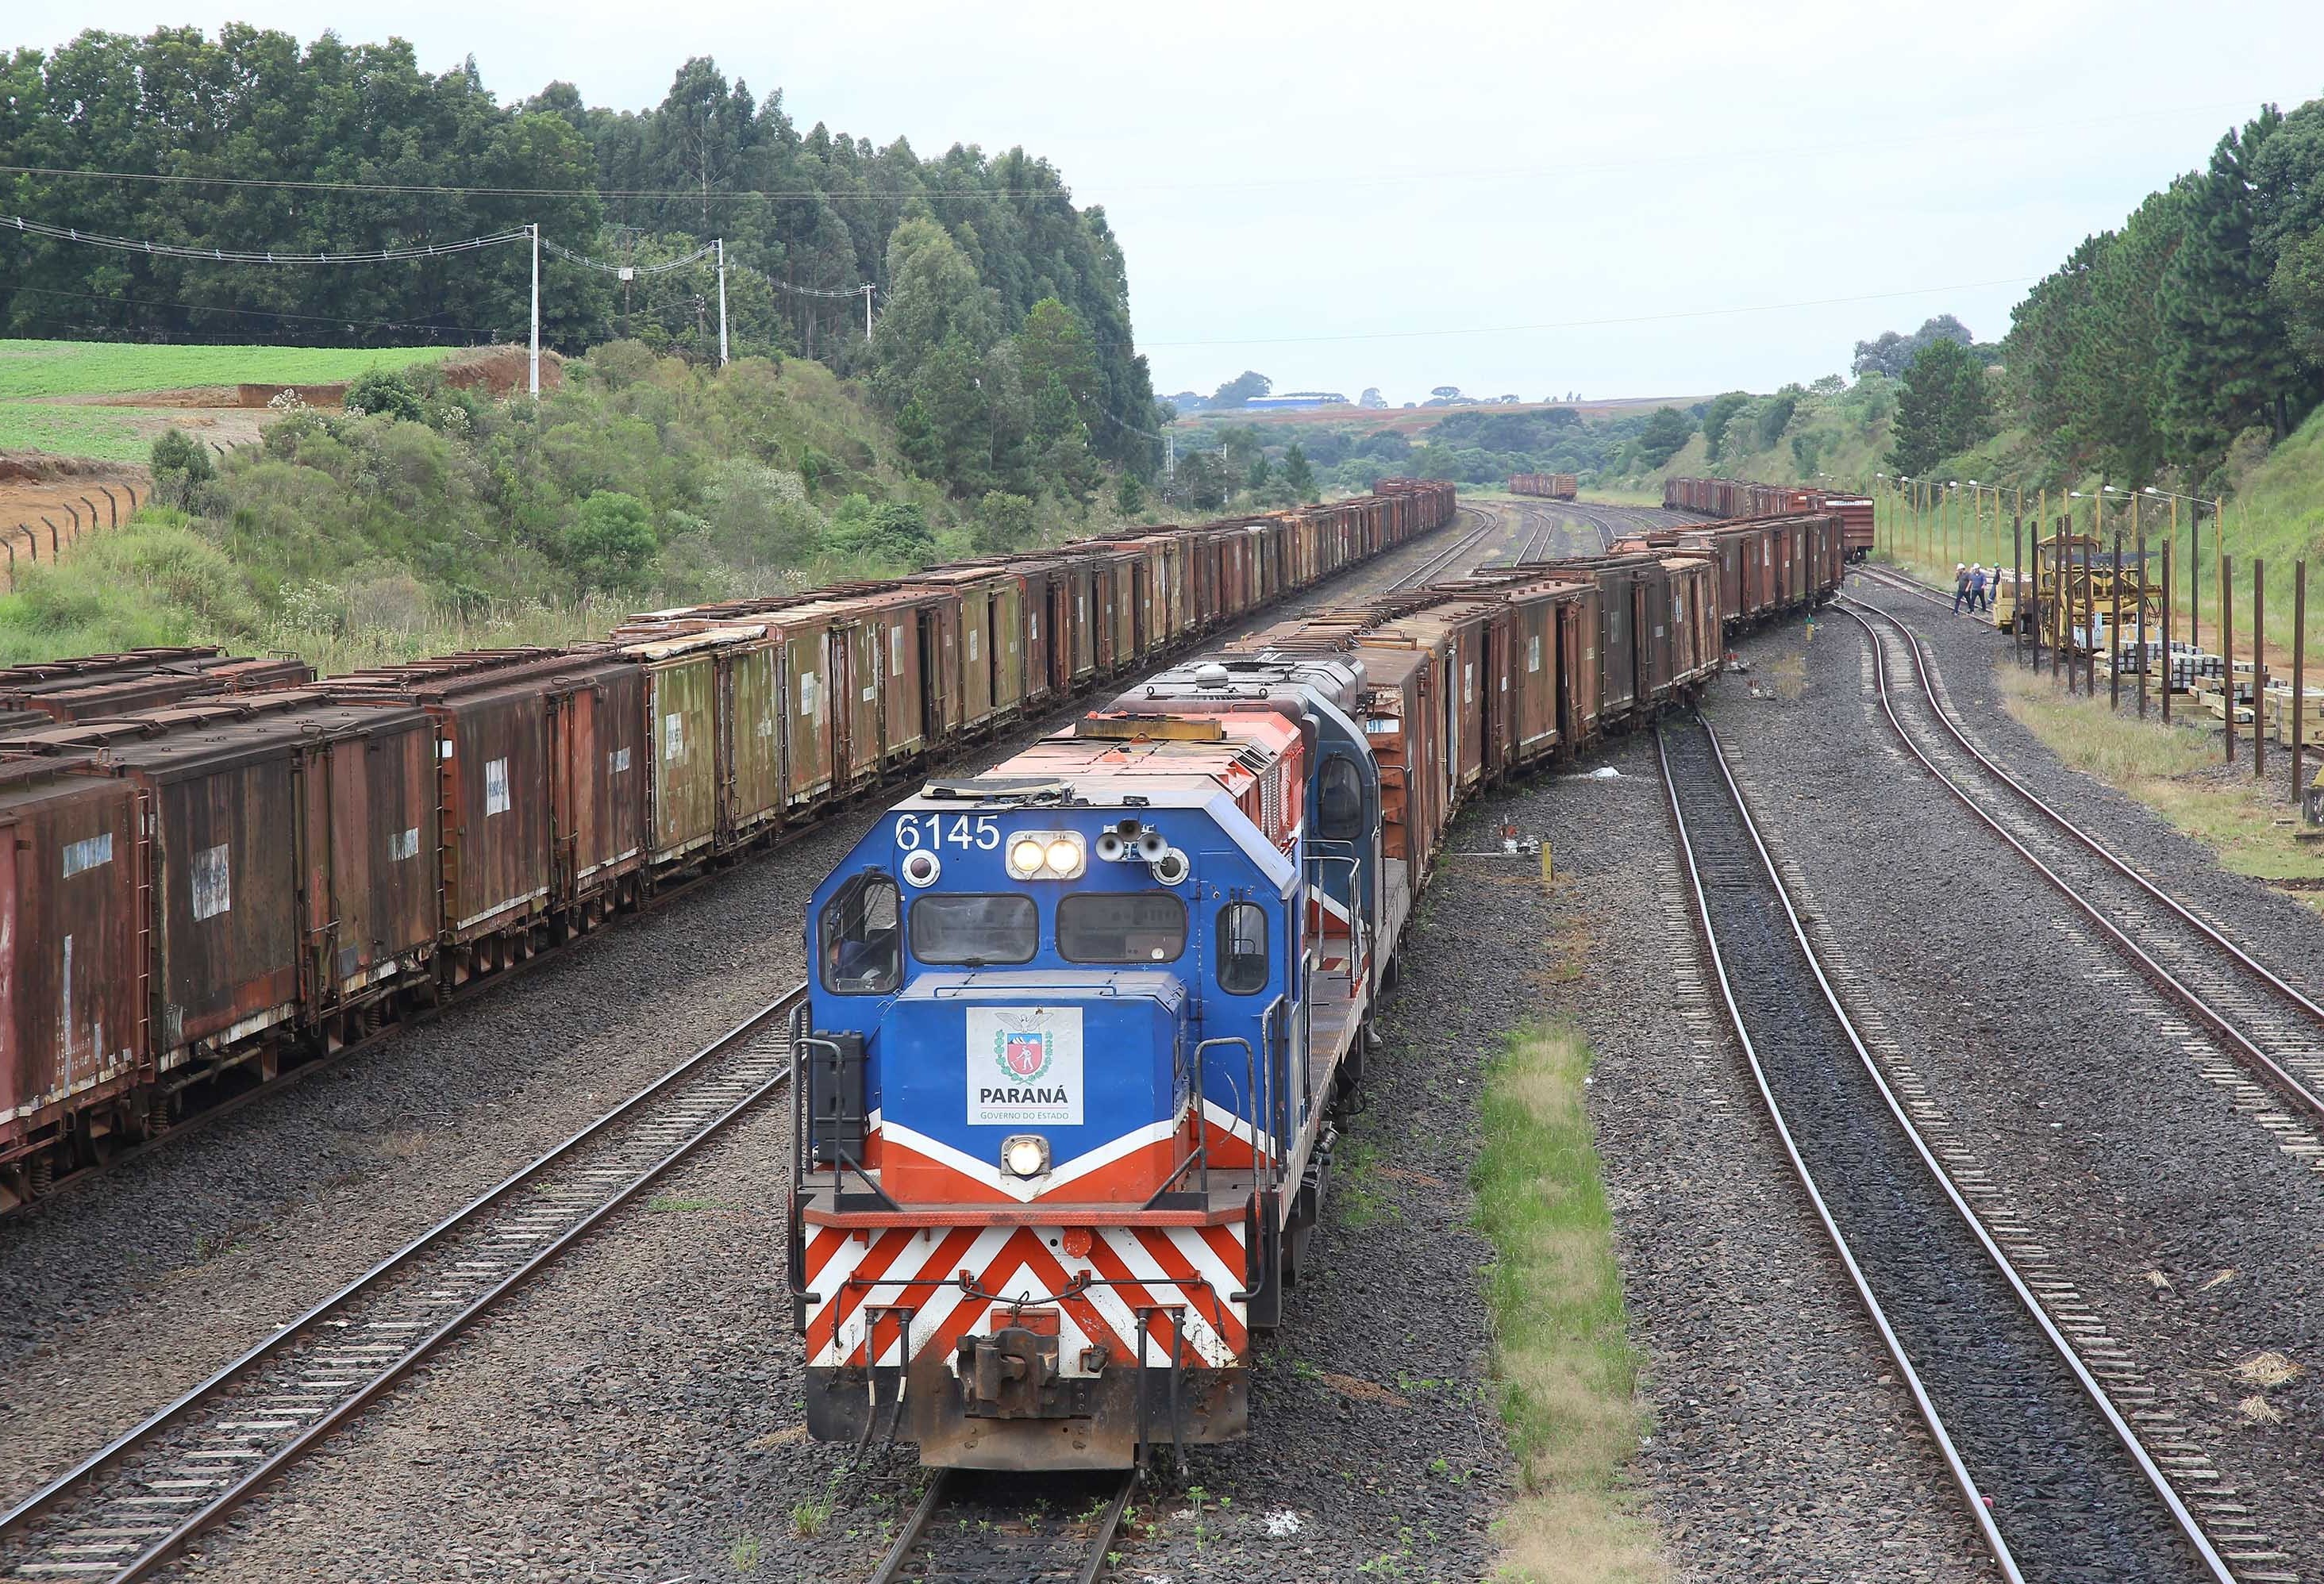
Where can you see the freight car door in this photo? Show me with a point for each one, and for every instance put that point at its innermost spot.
(685, 758)
(1008, 645)
(753, 700)
(902, 725)
(865, 655)
(807, 714)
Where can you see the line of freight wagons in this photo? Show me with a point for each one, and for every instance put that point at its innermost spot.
(211, 885)
(1737, 498)
(1490, 674)
(1556, 486)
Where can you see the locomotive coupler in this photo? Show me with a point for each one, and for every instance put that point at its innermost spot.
(1012, 1374)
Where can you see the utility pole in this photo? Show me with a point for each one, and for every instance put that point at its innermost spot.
(722, 302)
(533, 383)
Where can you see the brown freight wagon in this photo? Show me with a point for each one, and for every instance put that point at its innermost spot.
(714, 727)
(72, 1021)
(32, 676)
(166, 685)
(542, 788)
(1403, 713)
(1459, 634)
(290, 854)
(977, 645)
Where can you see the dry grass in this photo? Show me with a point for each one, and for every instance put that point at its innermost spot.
(2176, 771)
(1570, 1376)
(2260, 1411)
(2266, 1369)
(1363, 1391)
(1789, 674)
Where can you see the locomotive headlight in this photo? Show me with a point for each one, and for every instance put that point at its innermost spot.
(1025, 1154)
(921, 869)
(1046, 855)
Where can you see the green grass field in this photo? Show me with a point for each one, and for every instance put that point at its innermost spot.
(71, 431)
(115, 368)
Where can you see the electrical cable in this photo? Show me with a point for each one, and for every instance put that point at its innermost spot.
(234, 256)
(270, 313)
(570, 257)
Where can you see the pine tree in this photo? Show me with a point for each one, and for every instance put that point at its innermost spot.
(1297, 475)
(2226, 362)
(1943, 408)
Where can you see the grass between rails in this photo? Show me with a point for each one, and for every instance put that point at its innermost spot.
(115, 368)
(2177, 771)
(1569, 1373)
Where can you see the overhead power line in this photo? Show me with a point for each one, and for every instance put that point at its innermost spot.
(432, 189)
(570, 257)
(264, 313)
(386, 256)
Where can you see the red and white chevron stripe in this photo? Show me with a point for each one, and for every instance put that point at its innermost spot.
(859, 1280)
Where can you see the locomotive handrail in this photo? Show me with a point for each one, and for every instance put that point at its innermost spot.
(1201, 1121)
(1355, 902)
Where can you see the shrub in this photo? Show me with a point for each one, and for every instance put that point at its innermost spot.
(610, 541)
(180, 462)
(1003, 523)
(897, 531)
(384, 393)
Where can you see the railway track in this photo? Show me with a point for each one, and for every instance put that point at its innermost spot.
(2268, 1026)
(1435, 565)
(1901, 584)
(129, 1507)
(2056, 1480)
(973, 1528)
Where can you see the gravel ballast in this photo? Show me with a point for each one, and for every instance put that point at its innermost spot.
(2186, 1235)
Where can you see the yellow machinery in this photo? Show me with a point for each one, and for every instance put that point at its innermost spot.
(2082, 590)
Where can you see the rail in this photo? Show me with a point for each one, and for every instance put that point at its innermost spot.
(146, 1495)
(2238, 1039)
(1428, 570)
(1030, 1548)
(1955, 1327)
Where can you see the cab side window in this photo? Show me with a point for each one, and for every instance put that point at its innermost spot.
(1242, 948)
(861, 937)
(1340, 801)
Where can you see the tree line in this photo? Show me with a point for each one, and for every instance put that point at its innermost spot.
(2195, 327)
(1004, 352)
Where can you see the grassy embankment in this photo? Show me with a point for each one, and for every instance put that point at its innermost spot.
(1569, 1374)
(32, 371)
(2176, 770)
(2275, 515)
(640, 482)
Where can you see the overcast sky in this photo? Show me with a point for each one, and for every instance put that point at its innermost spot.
(1617, 198)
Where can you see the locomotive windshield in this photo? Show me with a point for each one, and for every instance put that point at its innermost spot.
(974, 931)
(1339, 804)
(862, 943)
(1120, 926)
